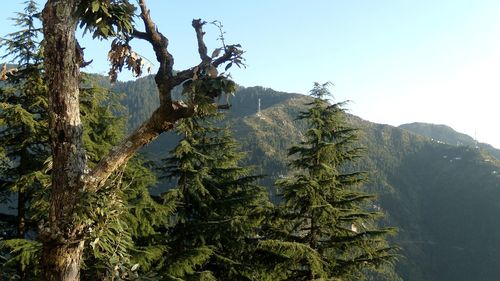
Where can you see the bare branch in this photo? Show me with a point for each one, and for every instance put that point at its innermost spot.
(228, 54)
(161, 120)
(159, 43)
(168, 112)
(202, 48)
(141, 35)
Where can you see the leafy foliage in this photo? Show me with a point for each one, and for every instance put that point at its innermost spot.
(408, 172)
(201, 92)
(106, 18)
(22, 47)
(230, 233)
(123, 213)
(24, 253)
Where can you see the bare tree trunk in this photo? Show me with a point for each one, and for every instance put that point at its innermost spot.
(64, 259)
(62, 236)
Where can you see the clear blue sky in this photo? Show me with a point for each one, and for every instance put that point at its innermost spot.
(399, 61)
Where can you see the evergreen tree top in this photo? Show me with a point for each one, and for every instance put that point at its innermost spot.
(328, 226)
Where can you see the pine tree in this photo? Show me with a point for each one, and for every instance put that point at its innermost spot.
(23, 113)
(219, 207)
(24, 133)
(329, 229)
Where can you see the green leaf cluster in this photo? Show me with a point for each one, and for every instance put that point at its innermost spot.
(106, 18)
(203, 91)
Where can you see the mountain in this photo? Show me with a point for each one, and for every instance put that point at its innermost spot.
(441, 133)
(443, 197)
(446, 134)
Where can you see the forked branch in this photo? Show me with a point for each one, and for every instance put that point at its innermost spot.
(165, 117)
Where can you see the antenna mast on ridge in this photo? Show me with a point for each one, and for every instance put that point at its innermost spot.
(258, 109)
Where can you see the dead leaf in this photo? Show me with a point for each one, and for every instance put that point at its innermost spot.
(216, 52)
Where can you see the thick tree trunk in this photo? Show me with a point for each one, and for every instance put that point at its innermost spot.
(61, 261)
(62, 236)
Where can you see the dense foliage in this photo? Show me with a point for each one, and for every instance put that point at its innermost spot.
(24, 143)
(215, 223)
(407, 171)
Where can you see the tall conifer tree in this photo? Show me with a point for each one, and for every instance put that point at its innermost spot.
(24, 130)
(219, 207)
(326, 214)
(23, 113)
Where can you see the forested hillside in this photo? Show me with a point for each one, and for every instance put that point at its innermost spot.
(442, 197)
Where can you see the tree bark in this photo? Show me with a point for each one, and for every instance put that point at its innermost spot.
(64, 261)
(61, 235)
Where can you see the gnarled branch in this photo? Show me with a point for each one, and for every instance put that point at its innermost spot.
(202, 47)
(159, 122)
(158, 41)
(165, 117)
